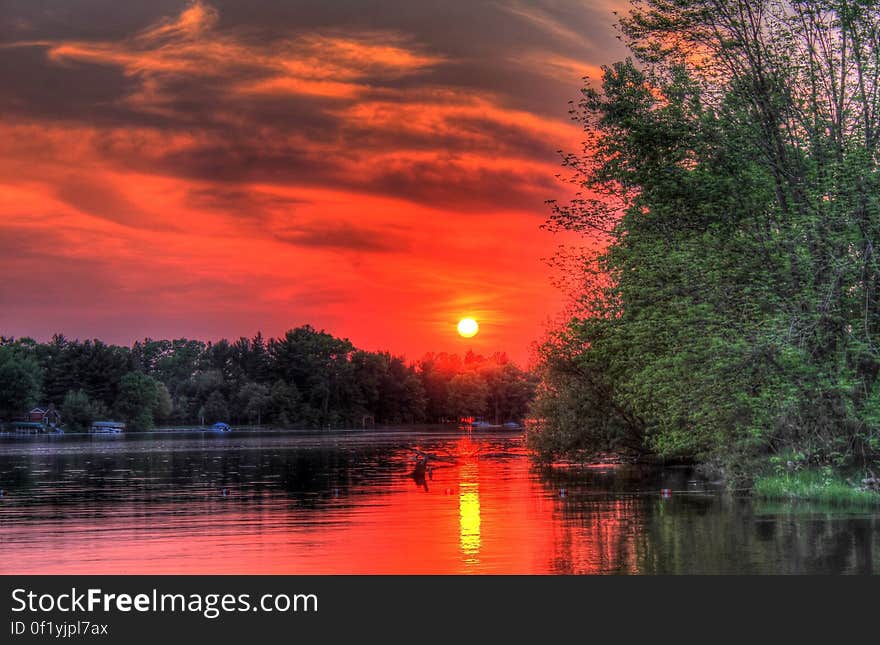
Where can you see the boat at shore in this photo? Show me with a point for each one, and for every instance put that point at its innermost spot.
(107, 427)
(480, 424)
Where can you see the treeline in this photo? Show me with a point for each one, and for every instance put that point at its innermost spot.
(730, 174)
(306, 378)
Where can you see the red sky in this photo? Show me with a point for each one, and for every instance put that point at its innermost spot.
(173, 168)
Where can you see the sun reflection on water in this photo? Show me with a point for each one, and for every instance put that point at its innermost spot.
(469, 514)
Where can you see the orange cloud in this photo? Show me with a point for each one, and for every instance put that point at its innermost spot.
(448, 112)
(207, 178)
(191, 45)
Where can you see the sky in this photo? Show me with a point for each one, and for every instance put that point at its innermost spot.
(213, 169)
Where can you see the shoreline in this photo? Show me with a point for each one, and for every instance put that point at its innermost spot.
(810, 485)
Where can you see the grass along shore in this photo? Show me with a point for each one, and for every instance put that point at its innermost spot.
(819, 485)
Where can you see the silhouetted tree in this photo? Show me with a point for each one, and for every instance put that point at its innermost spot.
(467, 396)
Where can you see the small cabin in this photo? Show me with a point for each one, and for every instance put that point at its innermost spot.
(107, 427)
(47, 416)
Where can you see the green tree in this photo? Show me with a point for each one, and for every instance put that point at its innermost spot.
(305, 378)
(403, 397)
(92, 366)
(732, 183)
(137, 401)
(20, 381)
(386, 388)
(467, 396)
(510, 390)
(319, 366)
(253, 402)
(284, 403)
(215, 408)
(164, 405)
(435, 384)
(77, 411)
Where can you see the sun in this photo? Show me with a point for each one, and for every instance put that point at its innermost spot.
(468, 328)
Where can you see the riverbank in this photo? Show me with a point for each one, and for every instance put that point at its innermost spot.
(817, 485)
(822, 485)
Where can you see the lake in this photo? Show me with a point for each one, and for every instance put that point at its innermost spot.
(346, 502)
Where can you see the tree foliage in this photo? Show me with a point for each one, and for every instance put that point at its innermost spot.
(730, 176)
(20, 378)
(467, 395)
(78, 411)
(137, 400)
(305, 378)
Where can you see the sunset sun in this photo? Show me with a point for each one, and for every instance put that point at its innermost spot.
(468, 328)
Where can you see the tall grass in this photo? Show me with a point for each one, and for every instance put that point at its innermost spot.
(813, 485)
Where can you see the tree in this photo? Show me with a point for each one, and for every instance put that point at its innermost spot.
(435, 384)
(731, 181)
(318, 365)
(284, 403)
(253, 401)
(137, 401)
(467, 396)
(386, 388)
(305, 378)
(92, 366)
(510, 390)
(403, 397)
(20, 379)
(215, 408)
(77, 411)
(164, 405)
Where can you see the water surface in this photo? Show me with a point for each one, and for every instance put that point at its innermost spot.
(347, 503)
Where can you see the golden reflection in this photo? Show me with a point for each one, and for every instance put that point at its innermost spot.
(469, 514)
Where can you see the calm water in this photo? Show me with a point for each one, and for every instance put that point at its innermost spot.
(347, 503)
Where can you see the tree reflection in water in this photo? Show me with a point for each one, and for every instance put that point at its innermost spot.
(358, 503)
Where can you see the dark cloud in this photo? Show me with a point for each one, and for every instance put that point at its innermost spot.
(267, 90)
(472, 190)
(102, 199)
(241, 202)
(79, 19)
(31, 87)
(344, 236)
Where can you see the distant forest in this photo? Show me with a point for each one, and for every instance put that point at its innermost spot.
(305, 378)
